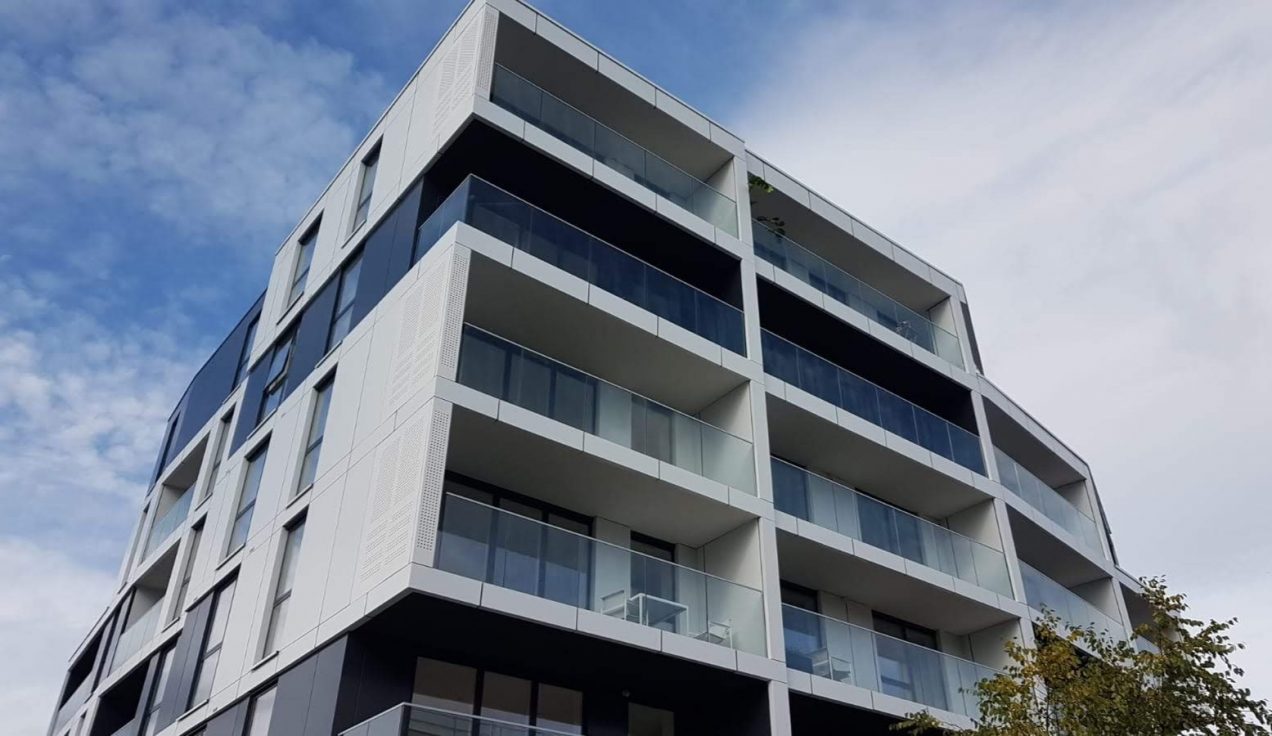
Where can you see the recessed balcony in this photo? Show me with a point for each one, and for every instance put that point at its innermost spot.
(854, 293)
(507, 550)
(837, 650)
(554, 241)
(1044, 594)
(606, 145)
(1046, 499)
(168, 522)
(825, 380)
(836, 507)
(539, 384)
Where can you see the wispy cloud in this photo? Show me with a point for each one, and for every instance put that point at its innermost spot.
(150, 158)
(1094, 174)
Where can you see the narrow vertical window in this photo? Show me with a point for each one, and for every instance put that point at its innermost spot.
(367, 186)
(347, 291)
(247, 498)
(210, 654)
(149, 717)
(218, 452)
(260, 713)
(187, 570)
(283, 589)
(245, 353)
(313, 441)
(276, 378)
(304, 257)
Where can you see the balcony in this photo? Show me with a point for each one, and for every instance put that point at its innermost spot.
(825, 380)
(511, 551)
(135, 636)
(166, 525)
(840, 651)
(418, 720)
(1044, 594)
(1046, 499)
(836, 507)
(537, 383)
(530, 229)
(855, 294)
(540, 108)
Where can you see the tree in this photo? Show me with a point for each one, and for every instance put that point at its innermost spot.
(1084, 683)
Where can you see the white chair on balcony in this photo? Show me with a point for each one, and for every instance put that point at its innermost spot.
(831, 667)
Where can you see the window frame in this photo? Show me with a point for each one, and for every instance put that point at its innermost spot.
(276, 378)
(244, 512)
(366, 186)
(345, 298)
(187, 570)
(249, 723)
(220, 606)
(313, 445)
(286, 575)
(245, 352)
(220, 442)
(302, 261)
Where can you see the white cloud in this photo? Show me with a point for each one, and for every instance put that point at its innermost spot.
(1095, 174)
(43, 616)
(208, 124)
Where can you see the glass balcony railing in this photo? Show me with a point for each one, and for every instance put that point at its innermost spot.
(854, 293)
(418, 720)
(840, 651)
(821, 378)
(853, 514)
(135, 636)
(1044, 594)
(171, 520)
(1046, 499)
(540, 108)
(551, 239)
(512, 551)
(537, 383)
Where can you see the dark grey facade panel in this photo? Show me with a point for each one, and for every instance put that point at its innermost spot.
(208, 389)
(185, 658)
(311, 335)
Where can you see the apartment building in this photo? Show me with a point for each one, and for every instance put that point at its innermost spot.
(565, 413)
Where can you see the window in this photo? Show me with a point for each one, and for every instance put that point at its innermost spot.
(347, 291)
(283, 590)
(317, 427)
(205, 668)
(218, 452)
(247, 497)
(369, 166)
(276, 378)
(149, 719)
(304, 257)
(168, 436)
(196, 535)
(260, 712)
(245, 354)
(459, 689)
(655, 575)
(905, 670)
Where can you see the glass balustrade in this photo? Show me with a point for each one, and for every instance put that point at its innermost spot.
(507, 371)
(1044, 594)
(854, 293)
(840, 651)
(135, 636)
(501, 548)
(549, 238)
(821, 378)
(418, 720)
(540, 108)
(841, 509)
(171, 520)
(1046, 499)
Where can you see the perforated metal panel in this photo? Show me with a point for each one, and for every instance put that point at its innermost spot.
(453, 321)
(434, 477)
(396, 485)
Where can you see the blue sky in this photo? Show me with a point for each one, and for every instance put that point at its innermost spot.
(1092, 174)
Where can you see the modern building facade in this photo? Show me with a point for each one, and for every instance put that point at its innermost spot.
(563, 412)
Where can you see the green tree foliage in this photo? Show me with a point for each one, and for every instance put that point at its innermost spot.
(1083, 683)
